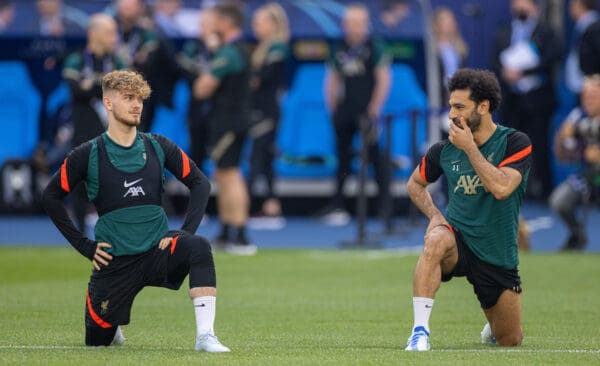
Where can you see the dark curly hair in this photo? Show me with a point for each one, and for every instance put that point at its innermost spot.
(482, 83)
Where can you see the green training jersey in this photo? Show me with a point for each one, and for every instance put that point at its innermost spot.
(134, 229)
(488, 225)
(126, 185)
(230, 109)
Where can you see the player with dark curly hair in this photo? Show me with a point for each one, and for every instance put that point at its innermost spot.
(486, 166)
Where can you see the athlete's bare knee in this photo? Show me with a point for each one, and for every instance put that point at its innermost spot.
(437, 243)
(510, 340)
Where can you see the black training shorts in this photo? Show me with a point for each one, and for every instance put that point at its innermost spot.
(111, 290)
(488, 280)
(227, 148)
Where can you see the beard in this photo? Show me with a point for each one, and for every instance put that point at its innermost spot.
(473, 121)
(128, 119)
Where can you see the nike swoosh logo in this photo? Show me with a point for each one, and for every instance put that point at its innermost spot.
(455, 162)
(129, 184)
(201, 305)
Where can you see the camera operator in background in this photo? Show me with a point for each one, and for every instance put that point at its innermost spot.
(579, 140)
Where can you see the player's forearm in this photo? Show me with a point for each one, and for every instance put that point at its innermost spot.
(199, 193)
(494, 179)
(421, 197)
(52, 203)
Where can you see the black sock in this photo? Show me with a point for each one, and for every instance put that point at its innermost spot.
(225, 230)
(240, 235)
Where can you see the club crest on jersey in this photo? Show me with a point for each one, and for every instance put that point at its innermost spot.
(133, 190)
(469, 184)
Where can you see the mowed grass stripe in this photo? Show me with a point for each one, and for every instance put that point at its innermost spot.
(299, 307)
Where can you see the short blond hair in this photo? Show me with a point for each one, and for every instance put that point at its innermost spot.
(125, 81)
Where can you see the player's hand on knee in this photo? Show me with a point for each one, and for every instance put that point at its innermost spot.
(100, 256)
(164, 242)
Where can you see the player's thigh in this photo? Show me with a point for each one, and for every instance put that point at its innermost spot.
(505, 319)
(441, 244)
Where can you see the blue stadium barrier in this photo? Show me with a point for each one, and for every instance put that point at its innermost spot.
(58, 98)
(406, 97)
(20, 104)
(306, 139)
(172, 123)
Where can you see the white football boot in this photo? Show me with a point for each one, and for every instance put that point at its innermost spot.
(418, 340)
(210, 343)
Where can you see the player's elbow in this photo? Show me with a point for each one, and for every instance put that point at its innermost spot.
(500, 196)
(49, 197)
(205, 187)
(501, 193)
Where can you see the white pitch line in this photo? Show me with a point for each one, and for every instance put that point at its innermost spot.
(519, 350)
(486, 350)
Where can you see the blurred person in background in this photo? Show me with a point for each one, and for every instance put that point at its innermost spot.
(150, 52)
(227, 85)
(7, 15)
(589, 44)
(525, 55)
(164, 16)
(271, 28)
(584, 14)
(451, 47)
(53, 21)
(83, 71)
(195, 59)
(579, 140)
(357, 83)
(451, 55)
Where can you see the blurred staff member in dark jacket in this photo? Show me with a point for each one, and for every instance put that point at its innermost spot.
(356, 87)
(526, 53)
(146, 48)
(195, 59)
(83, 73)
(271, 28)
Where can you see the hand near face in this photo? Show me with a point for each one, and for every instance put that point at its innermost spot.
(460, 134)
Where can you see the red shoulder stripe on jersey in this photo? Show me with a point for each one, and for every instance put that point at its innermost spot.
(174, 244)
(422, 170)
(93, 314)
(64, 181)
(186, 164)
(516, 156)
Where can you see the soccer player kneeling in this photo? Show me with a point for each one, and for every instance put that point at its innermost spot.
(123, 172)
(486, 166)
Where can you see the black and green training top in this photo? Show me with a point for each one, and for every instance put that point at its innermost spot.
(488, 225)
(125, 184)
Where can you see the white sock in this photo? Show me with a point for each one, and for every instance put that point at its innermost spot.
(422, 309)
(204, 307)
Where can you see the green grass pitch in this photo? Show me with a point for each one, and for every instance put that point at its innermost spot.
(298, 307)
